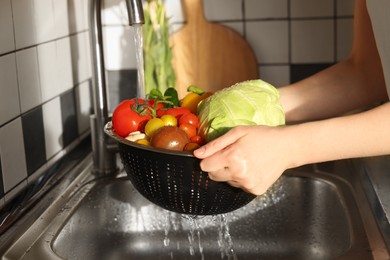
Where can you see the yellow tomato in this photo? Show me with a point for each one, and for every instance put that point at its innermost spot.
(152, 125)
(169, 120)
(143, 141)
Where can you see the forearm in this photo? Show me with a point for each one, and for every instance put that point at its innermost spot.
(332, 92)
(355, 83)
(358, 135)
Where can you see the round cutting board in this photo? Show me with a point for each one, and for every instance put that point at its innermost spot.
(208, 55)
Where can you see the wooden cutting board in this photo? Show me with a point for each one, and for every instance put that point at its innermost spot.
(209, 55)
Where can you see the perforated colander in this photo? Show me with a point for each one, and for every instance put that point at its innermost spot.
(174, 180)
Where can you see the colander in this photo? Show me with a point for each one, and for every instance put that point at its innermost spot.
(174, 181)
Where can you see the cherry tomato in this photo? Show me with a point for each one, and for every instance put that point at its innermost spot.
(177, 111)
(143, 141)
(189, 118)
(161, 112)
(191, 147)
(169, 120)
(151, 103)
(152, 125)
(152, 106)
(127, 119)
(189, 129)
(197, 139)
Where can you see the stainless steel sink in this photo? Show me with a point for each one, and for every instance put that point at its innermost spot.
(308, 215)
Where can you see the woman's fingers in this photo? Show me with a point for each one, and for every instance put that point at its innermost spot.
(218, 144)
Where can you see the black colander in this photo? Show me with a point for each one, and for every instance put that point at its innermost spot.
(174, 180)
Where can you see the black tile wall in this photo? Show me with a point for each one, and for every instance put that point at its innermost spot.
(301, 71)
(69, 117)
(34, 139)
(122, 85)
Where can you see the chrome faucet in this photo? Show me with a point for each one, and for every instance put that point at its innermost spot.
(103, 150)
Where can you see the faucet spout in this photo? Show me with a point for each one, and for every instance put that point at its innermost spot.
(135, 12)
(104, 156)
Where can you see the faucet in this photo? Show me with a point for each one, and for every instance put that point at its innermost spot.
(103, 148)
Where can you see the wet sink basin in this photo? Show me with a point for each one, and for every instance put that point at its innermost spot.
(307, 215)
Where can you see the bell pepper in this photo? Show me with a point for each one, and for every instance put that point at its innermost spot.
(192, 99)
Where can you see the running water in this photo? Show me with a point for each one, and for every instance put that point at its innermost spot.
(225, 241)
(139, 45)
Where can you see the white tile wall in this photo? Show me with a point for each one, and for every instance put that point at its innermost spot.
(64, 64)
(277, 75)
(48, 70)
(81, 67)
(61, 18)
(24, 23)
(265, 9)
(174, 11)
(77, 20)
(217, 10)
(12, 154)
(310, 8)
(312, 41)
(236, 26)
(119, 48)
(44, 19)
(345, 7)
(40, 60)
(28, 78)
(270, 40)
(9, 98)
(115, 13)
(6, 27)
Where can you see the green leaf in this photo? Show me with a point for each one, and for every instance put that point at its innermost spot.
(155, 94)
(172, 96)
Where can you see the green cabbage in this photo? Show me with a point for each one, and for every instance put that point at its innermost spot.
(253, 102)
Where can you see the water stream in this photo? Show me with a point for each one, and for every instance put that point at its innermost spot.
(139, 44)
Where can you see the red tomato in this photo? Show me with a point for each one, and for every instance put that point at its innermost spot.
(151, 104)
(189, 118)
(189, 129)
(191, 147)
(127, 119)
(161, 112)
(177, 111)
(197, 139)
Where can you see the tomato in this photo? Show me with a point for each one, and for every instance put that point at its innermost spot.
(153, 106)
(177, 111)
(127, 119)
(169, 137)
(169, 120)
(143, 141)
(152, 125)
(161, 112)
(191, 147)
(189, 118)
(197, 139)
(189, 129)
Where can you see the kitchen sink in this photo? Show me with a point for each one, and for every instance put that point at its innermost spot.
(308, 214)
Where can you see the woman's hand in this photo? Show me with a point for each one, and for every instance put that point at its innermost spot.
(248, 157)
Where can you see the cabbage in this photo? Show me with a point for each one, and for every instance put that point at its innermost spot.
(253, 102)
